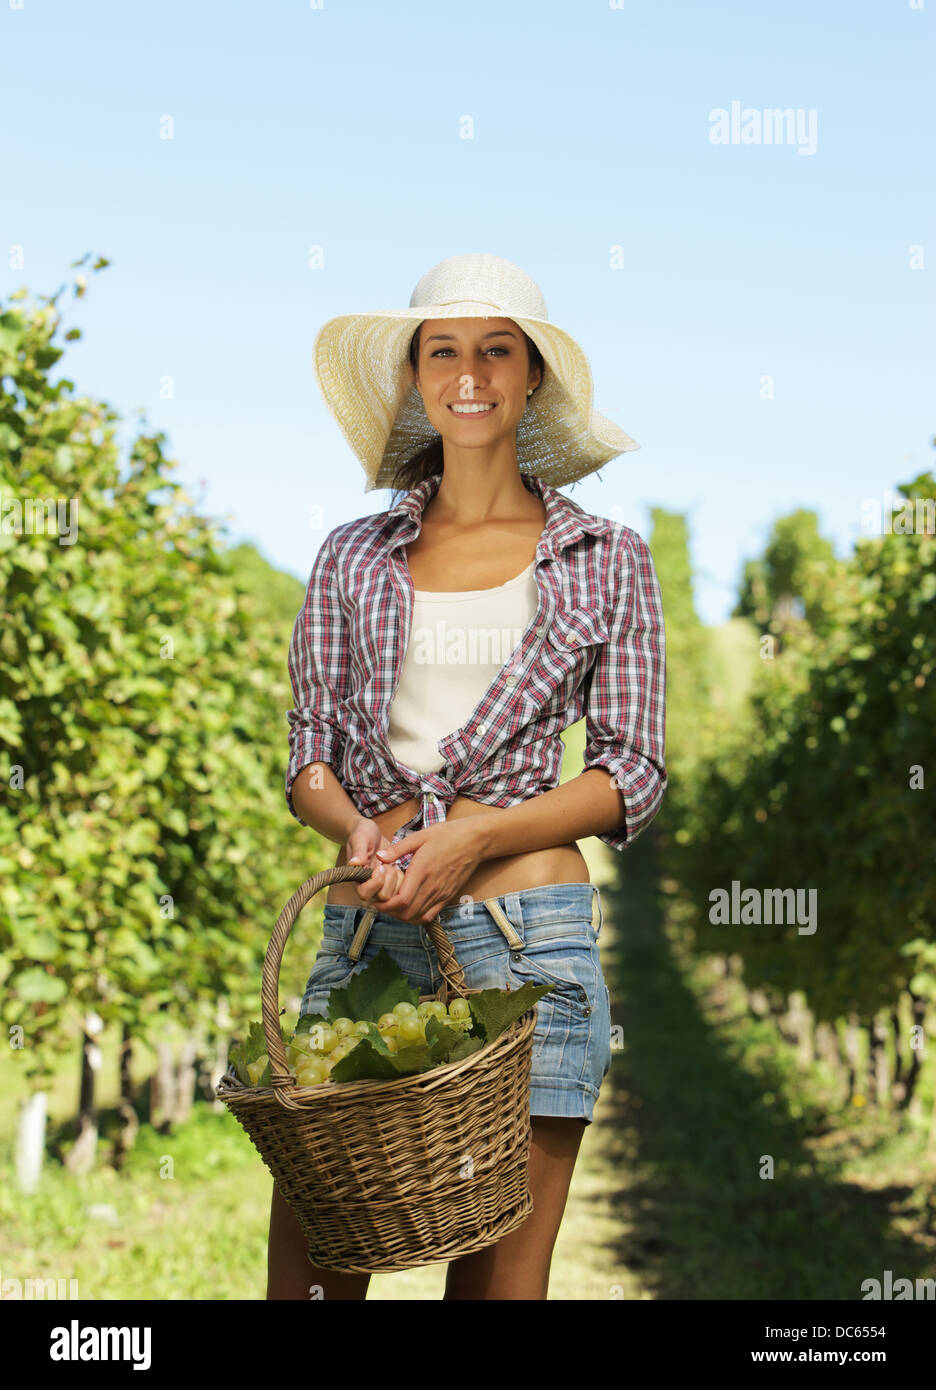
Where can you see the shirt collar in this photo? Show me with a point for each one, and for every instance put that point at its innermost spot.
(565, 520)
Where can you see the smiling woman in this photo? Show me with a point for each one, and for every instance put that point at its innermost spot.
(475, 407)
(429, 460)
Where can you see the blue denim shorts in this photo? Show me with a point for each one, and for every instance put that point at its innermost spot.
(545, 935)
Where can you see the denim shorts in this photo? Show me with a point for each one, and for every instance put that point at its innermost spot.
(546, 935)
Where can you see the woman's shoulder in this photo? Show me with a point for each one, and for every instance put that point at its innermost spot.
(357, 537)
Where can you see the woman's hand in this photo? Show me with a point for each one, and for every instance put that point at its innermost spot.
(361, 847)
(444, 857)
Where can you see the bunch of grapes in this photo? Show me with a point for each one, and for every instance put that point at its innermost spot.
(310, 1056)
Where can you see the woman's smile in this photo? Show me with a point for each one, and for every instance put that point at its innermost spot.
(466, 409)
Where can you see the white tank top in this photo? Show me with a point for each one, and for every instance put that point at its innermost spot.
(457, 645)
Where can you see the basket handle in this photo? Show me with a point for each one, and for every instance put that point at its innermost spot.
(453, 977)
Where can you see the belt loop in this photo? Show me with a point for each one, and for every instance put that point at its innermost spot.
(361, 935)
(514, 941)
(597, 915)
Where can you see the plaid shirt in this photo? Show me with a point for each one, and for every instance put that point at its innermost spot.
(596, 645)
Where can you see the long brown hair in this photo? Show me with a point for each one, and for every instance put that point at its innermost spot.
(428, 460)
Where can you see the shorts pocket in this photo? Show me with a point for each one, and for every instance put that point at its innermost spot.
(567, 964)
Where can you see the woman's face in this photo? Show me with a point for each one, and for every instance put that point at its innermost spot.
(473, 376)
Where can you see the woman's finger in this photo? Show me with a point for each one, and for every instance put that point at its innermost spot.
(392, 884)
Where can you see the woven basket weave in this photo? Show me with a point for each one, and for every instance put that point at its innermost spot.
(388, 1175)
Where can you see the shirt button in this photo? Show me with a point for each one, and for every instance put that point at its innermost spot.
(510, 680)
(482, 728)
(570, 636)
(540, 631)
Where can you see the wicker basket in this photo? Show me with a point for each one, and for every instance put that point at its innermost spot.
(387, 1175)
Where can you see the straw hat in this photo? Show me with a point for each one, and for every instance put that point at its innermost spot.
(361, 363)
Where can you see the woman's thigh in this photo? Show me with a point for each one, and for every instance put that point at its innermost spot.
(517, 1266)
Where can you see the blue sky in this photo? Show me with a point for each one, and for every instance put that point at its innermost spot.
(339, 127)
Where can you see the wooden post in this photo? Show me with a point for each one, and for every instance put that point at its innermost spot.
(129, 1121)
(30, 1142)
(184, 1082)
(162, 1089)
(81, 1157)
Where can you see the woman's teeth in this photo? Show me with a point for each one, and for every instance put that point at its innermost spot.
(472, 408)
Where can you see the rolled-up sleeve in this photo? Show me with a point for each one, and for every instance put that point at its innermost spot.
(318, 672)
(625, 717)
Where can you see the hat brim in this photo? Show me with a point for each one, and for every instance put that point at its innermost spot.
(361, 363)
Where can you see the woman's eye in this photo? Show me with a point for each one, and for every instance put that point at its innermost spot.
(495, 348)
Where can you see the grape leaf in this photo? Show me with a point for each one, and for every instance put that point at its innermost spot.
(365, 1063)
(494, 1010)
(253, 1046)
(410, 1060)
(377, 1038)
(441, 1038)
(372, 992)
(464, 1048)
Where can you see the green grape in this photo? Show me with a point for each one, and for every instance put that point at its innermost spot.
(360, 1029)
(412, 1028)
(404, 1010)
(255, 1069)
(388, 1022)
(459, 1008)
(301, 1043)
(324, 1037)
(433, 1008)
(312, 1072)
(343, 1026)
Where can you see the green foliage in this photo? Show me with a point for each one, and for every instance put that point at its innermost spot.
(794, 572)
(687, 641)
(813, 787)
(494, 1010)
(145, 846)
(372, 992)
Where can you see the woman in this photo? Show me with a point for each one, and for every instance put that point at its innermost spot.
(442, 647)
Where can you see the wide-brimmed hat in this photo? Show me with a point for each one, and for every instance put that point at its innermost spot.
(361, 361)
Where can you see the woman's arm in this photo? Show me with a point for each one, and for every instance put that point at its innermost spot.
(323, 803)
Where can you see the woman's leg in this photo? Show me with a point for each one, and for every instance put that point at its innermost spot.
(290, 1274)
(517, 1266)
